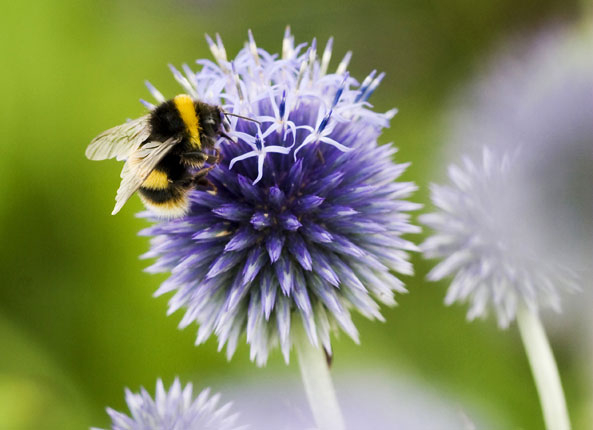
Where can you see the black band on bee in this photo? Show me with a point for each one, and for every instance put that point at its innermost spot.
(165, 121)
(171, 193)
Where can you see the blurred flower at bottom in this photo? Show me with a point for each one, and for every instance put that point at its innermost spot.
(174, 409)
(369, 401)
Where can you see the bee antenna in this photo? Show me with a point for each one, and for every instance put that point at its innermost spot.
(229, 137)
(241, 116)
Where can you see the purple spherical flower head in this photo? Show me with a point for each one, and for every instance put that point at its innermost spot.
(306, 217)
(175, 409)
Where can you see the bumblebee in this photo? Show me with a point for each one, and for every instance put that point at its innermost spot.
(165, 153)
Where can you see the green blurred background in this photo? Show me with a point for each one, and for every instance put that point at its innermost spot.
(77, 319)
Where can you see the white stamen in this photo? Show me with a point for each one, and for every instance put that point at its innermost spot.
(327, 55)
(221, 49)
(155, 93)
(287, 44)
(187, 86)
(253, 48)
(344, 63)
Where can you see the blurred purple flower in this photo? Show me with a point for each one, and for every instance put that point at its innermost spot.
(537, 95)
(371, 400)
(307, 218)
(480, 233)
(516, 223)
(176, 409)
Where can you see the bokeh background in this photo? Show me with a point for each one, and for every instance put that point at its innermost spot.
(77, 319)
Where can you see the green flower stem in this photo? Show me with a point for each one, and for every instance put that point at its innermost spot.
(544, 369)
(318, 384)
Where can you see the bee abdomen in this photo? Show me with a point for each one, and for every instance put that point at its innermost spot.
(164, 197)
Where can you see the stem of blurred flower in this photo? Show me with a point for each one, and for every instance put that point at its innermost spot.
(318, 384)
(544, 369)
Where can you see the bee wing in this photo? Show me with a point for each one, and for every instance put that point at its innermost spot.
(119, 141)
(138, 166)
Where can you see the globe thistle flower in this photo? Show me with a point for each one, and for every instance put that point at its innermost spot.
(533, 111)
(515, 227)
(537, 95)
(306, 218)
(176, 409)
(479, 232)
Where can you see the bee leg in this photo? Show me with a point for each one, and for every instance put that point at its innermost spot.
(199, 179)
(202, 182)
(213, 159)
(206, 158)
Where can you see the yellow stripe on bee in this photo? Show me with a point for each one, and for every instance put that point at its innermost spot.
(187, 111)
(157, 180)
(173, 208)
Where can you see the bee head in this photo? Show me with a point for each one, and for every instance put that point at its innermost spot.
(211, 119)
(226, 124)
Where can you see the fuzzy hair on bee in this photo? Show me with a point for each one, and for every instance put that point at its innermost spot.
(167, 153)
